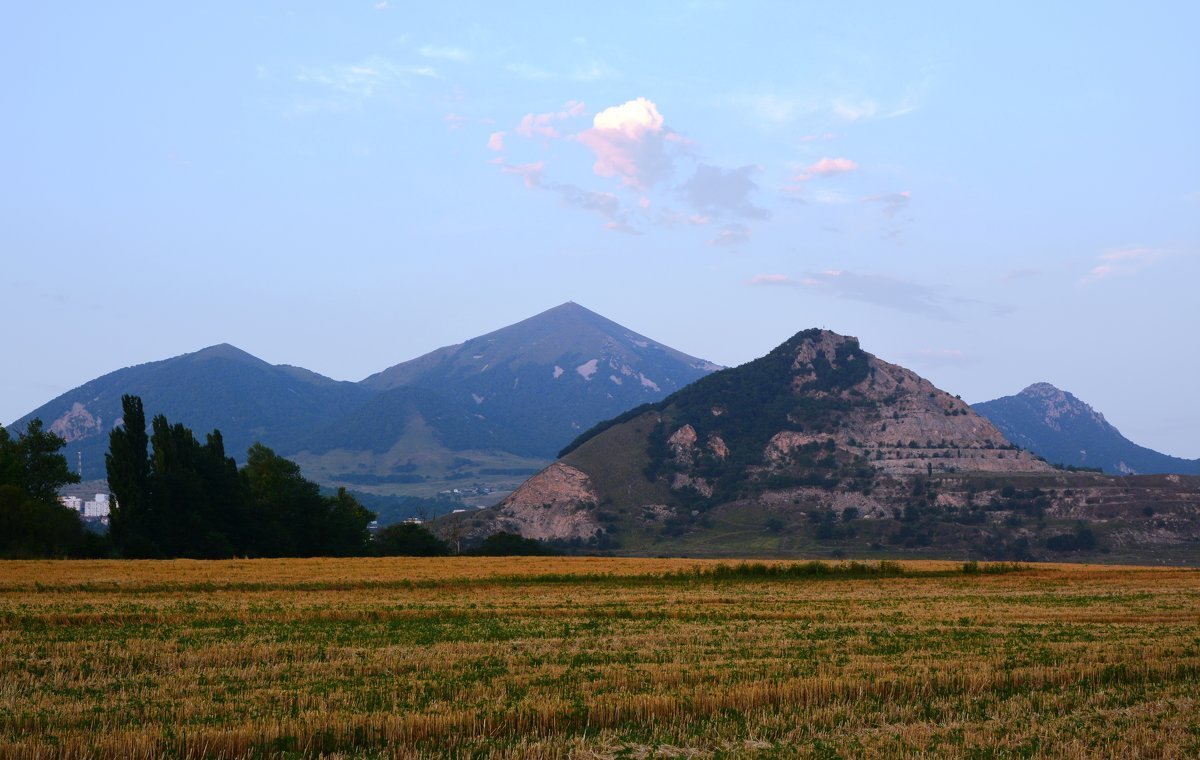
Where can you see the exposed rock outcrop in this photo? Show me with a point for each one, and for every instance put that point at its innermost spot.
(552, 504)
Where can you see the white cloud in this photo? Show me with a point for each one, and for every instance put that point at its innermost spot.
(629, 142)
(496, 141)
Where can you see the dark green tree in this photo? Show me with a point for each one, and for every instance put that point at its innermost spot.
(512, 545)
(409, 540)
(32, 521)
(128, 466)
(33, 463)
(290, 515)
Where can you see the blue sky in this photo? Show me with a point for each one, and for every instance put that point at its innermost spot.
(992, 196)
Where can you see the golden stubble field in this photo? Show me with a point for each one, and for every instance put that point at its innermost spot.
(580, 657)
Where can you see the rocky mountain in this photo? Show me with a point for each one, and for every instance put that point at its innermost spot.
(816, 446)
(1065, 430)
(542, 381)
(221, 387)
(478, 417)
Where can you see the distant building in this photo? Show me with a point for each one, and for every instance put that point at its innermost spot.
(96, 508)
(73, 503)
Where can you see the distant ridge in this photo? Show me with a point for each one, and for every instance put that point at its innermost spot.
(220, 386)
(474, 416)
(1058, 426)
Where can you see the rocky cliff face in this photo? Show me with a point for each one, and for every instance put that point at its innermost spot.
(555, 503)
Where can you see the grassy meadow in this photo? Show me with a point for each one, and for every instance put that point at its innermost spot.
(596, 658)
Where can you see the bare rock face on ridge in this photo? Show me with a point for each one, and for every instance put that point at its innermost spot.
(554, 503)
(815, 412)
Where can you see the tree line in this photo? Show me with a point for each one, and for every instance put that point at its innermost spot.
(174, 496)
(177, 497)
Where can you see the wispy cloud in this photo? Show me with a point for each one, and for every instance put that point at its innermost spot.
(1121, 261)
(938, 357)
(878, 290)
(731, 235)
(718, 192)
(591, 71)
(607, 205)
(826, 167)
(1023, 273)
(542, 124)
(444, 53)
(363, 80)
(854, 110)
(893, 203)
(496, 141)
(773, 279)
(530, 172)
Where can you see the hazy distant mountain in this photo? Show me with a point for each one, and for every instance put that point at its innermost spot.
(537, 384)
(1065, 430)
(221, 387)
(485, 413)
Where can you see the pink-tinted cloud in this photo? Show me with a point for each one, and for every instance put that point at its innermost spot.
(454, 120)
(816, 137)
(542, 124)
(531, 173)
(1121, 261)
(772, 279)
(827, 167)
(629, 142)
(496, 141)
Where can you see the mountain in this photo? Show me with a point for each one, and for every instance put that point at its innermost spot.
(220, 387)
(820, 446)
(1065, 430)
(475, 418)
(542, 381)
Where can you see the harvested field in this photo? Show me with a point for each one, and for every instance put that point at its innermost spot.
(585, 657)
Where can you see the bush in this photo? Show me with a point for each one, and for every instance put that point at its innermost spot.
(511, 545)
(408, 540)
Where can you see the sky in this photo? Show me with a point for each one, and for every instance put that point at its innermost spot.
(990, 194)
